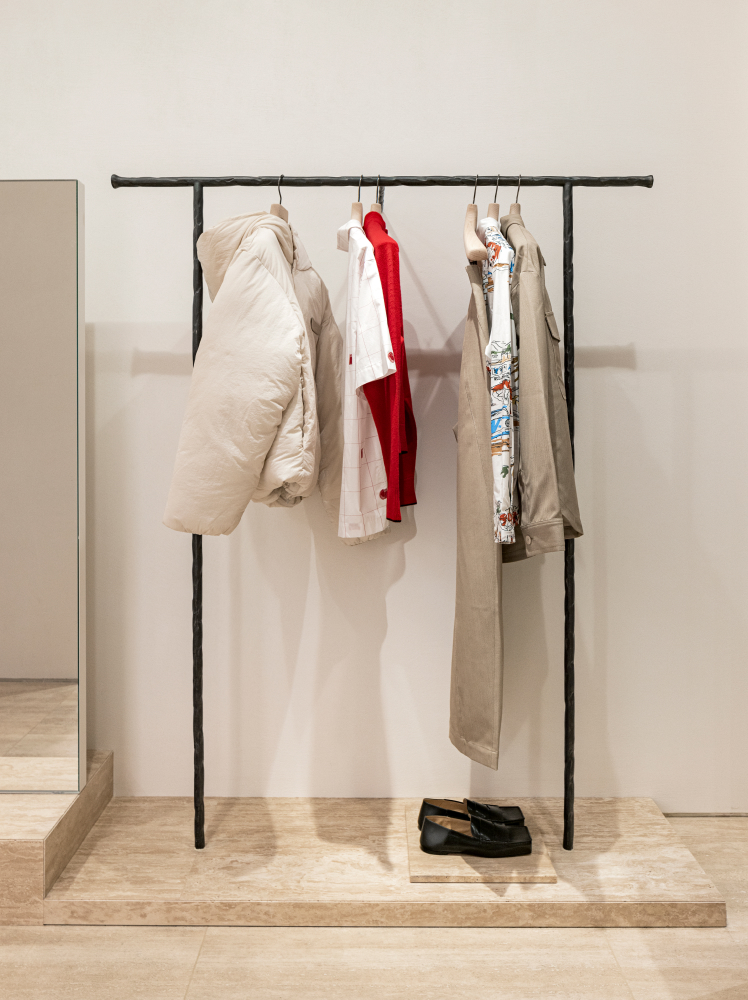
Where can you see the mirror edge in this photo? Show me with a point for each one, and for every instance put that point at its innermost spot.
(82, 592)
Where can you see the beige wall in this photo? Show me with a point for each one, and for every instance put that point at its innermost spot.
(327, 669)
(39, 439)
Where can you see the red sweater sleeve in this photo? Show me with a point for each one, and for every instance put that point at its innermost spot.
(389, 397)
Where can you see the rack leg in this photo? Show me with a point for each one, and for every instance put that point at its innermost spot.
(197, 687)
(569, 594)
(569, 694)
(197, 549)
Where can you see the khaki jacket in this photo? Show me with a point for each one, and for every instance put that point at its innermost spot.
(548, 495)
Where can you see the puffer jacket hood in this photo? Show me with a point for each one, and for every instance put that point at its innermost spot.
(218, 245)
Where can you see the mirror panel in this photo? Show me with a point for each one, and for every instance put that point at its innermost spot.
(42, 558)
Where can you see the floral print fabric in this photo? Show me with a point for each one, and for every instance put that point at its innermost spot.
(503, 368)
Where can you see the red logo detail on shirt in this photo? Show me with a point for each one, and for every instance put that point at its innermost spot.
(391, 356)
(383, 494)
(350, 359)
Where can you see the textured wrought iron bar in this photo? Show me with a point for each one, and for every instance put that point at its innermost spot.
(197, 269)
(569, 585)
(434, 180)
(197, 550)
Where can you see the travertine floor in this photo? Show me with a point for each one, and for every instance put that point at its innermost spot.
(224, 963)
(38, 735)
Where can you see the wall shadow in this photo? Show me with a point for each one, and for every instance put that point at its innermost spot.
(354, 582)
(529, 622)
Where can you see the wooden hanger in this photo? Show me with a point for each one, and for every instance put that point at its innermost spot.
(357, 209)
(474, 249)
(377, 206)
(493, 208)
(515, 208)
(277, 207)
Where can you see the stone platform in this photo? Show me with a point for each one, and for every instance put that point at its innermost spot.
(344, 862)
(40, 833)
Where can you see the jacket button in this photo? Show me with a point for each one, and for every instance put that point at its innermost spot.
(528, 539)
(383, 494)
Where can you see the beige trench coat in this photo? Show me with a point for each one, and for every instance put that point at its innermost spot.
(549, 511)
(477, 650)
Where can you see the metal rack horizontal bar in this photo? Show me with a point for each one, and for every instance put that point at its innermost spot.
(371, 180)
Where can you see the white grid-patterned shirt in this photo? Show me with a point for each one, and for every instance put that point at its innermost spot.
(368, 357)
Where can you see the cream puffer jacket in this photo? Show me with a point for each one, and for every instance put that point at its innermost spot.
(326, 348)
(251, 429)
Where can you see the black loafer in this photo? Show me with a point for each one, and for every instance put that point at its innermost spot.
(511, 815)
(478, 837)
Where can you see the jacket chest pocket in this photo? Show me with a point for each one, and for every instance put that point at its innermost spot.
(555, 347)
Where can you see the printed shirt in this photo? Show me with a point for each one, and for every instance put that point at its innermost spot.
(368, 356)
(503, 367)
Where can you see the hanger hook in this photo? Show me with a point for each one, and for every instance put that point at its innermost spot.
(280, 196)
(519, 185)
(475, 188)
(496, 189)
(360, 182)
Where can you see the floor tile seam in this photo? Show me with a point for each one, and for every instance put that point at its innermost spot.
(661, 960)
(44, 721)
(194, 964)
(623, 975)
(740, 947)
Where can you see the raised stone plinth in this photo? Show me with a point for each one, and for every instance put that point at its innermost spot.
(344, 862)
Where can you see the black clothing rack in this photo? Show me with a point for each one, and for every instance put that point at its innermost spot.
(460, 180)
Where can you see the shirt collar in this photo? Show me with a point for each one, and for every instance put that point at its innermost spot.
(345, 231)
(485, 226)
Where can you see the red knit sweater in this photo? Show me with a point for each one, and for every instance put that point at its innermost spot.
(389, 398)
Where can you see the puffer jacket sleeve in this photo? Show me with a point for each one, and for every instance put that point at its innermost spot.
(247, 371)
(329, 380)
